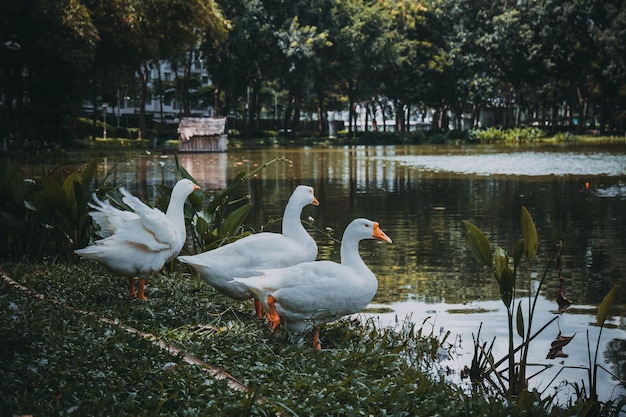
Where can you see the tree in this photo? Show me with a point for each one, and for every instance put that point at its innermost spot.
(47, 50)
(244, 60)
(172, 30)
(301, 45)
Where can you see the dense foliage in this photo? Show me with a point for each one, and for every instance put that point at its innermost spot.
(556, 64)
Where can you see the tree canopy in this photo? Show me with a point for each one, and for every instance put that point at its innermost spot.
(555, 64)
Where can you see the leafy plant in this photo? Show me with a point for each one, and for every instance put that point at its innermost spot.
(498, 261)
(221, 220)
(601, 316)
(46, 216)
(497, 134)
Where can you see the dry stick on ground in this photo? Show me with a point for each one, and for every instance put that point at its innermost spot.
(216, 372)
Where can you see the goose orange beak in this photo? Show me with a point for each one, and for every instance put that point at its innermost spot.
(314, 202)
(379, 234)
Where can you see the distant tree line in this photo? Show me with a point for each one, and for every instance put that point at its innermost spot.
(547, 62)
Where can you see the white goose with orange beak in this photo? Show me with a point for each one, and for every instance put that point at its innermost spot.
(311, 294)
(248, 256)
(138, 243)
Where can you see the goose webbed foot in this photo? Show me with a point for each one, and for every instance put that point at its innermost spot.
(273, 316)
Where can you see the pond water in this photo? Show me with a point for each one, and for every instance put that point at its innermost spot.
(420, 195)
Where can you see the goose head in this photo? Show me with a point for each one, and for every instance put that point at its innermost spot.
(183, 189)
(360, 229)
(303, 195)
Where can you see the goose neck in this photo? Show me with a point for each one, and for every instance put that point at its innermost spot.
(292, 225)
(350, 253)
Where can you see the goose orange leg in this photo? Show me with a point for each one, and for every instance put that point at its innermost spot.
(258, 309)
(273, 316)
(316, 338)
(141, 295)
(131, 287)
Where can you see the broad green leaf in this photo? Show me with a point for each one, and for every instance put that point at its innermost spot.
(196, 200)
(17, 188)
(202, 227)
(529, 233)
(184, 174)
(68, 187)
(501, 261)
(234, 220)
(206, 215)
(605, 305)
(89, 173)
(81, 228)
(520, 320)
(163, 199)
(116, 197)
(81, 201)
(226, 193)
(518, 252)
(478, 243)
(54, 192)
(43, 205)
(506, 286)
(11, 220)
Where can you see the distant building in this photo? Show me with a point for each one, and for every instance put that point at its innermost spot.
(202, 134)
(165, 105)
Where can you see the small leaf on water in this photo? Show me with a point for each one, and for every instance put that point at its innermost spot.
(478, 243)
(529, 233)
(556, 347)
(605, 305)
(563, 302)
(520, 320)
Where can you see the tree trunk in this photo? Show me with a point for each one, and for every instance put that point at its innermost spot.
(184, 90)
(217, 108)
(144, 75)
(399, 110)
(555, 109)
(384, 114)
(351, 112)
(288, 112)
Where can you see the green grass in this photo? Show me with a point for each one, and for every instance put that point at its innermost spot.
(58, 359)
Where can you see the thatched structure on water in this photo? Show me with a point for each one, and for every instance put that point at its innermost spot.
(202, 134)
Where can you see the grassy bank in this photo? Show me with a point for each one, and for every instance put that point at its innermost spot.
(80, 351)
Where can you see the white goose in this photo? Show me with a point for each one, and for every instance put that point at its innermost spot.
(246, 256)
(315, 293)
(140, 242)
